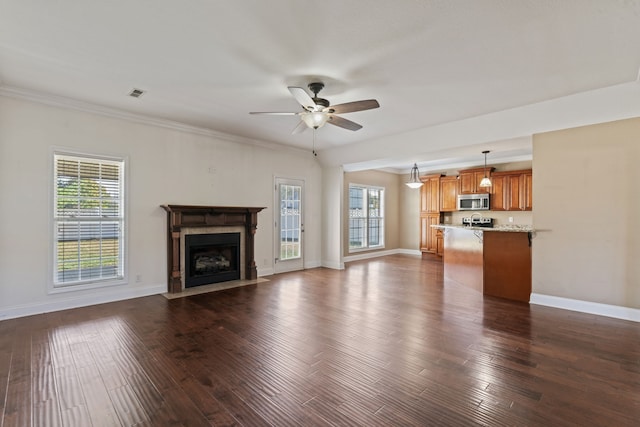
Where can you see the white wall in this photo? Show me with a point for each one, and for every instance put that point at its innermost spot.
(332, 182)
(165, 166)
(409, 216)
(587, 212)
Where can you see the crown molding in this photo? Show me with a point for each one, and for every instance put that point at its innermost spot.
(87, 107)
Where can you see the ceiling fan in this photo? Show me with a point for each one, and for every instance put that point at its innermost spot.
(318, 111)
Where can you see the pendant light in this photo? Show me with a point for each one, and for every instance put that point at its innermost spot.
(486, 182)
(414, 179)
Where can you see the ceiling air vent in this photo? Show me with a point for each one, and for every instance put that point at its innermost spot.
(136, 93)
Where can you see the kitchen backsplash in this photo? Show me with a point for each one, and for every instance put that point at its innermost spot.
(499, 217)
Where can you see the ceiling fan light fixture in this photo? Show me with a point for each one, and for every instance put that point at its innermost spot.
(315, 119)
(414, 178)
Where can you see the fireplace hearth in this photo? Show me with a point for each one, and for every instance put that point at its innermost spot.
(211, 258)
(184, 221)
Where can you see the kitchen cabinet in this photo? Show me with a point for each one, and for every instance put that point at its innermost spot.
(449, 193)
(429, 212)
(527, 185)
(514, 195)
(512, 191)
(429, 234)
(499, 186)
(430, 194)
(470, 180)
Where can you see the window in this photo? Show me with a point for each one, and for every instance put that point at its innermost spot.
(366, 217)
(88, 220)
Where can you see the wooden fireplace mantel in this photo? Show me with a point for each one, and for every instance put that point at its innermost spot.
(179, 216)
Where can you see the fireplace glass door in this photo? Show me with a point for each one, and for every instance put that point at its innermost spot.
(211, 258)
(289, 225)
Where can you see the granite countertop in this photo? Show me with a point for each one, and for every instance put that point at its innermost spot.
(510, 228)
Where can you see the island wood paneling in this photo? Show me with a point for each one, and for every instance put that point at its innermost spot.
(507, 265)
(463, 259)
(497, 263)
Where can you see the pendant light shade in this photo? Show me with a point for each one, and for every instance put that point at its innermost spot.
(414, 179)
(486, 182)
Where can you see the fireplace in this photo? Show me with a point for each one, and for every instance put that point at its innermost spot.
(211, 258)
(188, 222)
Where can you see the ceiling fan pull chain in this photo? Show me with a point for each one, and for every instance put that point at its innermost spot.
(313, 148)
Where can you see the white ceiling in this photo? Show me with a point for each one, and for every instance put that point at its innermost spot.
(430, 64)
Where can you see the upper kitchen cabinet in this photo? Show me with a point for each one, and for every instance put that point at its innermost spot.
(499, 190)
(527, 186)
(470, 181)
(512, 191)
(430, 194)
(448, 193)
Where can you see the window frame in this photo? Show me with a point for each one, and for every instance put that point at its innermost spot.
(367, 218)
(121, 277)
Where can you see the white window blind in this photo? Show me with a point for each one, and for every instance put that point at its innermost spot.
(88, 220)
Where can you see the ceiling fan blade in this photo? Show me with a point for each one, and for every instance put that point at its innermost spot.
(343, 123)
(301, 127)
(273, 113)
(350, 107)
(302, 97)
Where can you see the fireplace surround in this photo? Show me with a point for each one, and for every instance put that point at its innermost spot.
(183, 220)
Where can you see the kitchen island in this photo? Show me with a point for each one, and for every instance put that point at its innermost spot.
(495, 261)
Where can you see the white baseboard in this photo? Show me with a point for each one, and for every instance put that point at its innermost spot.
(262, 272)
(615, 311)
(415, 252)
(265, 272)
(312, 264)
(79, 301)
(368, 255)
(333, 265)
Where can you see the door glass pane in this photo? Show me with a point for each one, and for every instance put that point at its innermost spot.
(290, 223)
(356, 218)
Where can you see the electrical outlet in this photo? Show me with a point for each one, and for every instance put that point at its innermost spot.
(510, 219)
(138, 278)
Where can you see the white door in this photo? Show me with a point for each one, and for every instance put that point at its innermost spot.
(289, 226)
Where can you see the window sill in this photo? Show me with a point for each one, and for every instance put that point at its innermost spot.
(58, 289)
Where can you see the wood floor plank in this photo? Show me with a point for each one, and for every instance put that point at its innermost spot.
(18, 404)
(96, 395)
(6, 352)
(47, 413)
(385, 342)
(126, 404)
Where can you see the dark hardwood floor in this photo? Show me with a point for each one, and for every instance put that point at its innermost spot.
(385, 342)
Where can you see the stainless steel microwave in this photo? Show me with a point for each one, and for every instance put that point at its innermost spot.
(473, 202)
